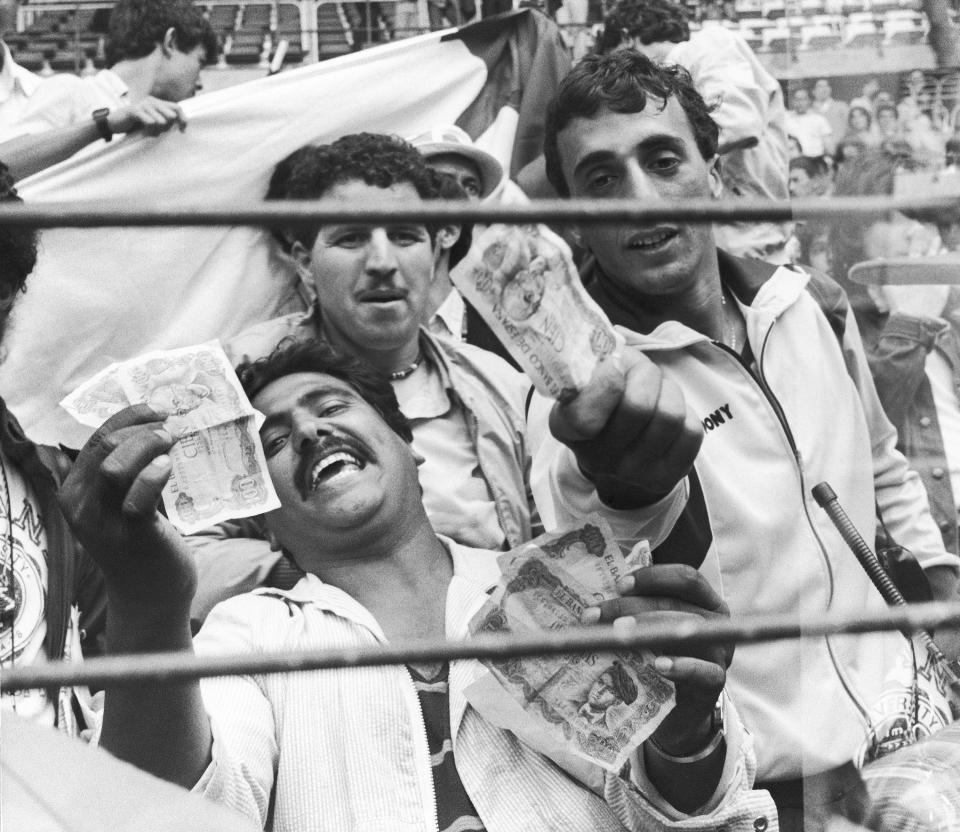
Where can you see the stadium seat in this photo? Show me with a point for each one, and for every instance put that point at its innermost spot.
(256, 16)
(777, 40)
(66, 60)
(223, 19)
(809, 8)
(902, 32)
(244, 48)
(29, 59)
(748, 8)
(858, 18)
(772, 9)
(861, 35)
(333, 35)
(882, 7)
(818, 37)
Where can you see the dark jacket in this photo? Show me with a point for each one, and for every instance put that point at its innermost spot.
(72, 576)
(897, 352)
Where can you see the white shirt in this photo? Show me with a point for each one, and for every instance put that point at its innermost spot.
(65, 99)
(455, 494)
(343, 750)
(17, 85)
(812, 130)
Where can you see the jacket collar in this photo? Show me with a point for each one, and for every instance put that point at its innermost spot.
(755, 283)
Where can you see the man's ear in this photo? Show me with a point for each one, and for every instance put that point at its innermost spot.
(447, 236)
(300, 256)
(716, 183)
(169, 42)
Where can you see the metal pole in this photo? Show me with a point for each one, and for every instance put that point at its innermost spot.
(97, 214)
(177, 667)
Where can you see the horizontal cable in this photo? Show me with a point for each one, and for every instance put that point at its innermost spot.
(172, 667)
(90, 214)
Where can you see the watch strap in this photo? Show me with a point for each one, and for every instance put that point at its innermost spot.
(103, 126)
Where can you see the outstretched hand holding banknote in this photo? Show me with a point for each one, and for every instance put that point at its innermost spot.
(631, 431)
(629, 426)
(110, 500)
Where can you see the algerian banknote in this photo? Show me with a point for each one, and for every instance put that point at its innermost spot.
(524, 284)
(219, 468)
(600, 706)
(588, 554)
(98, 398)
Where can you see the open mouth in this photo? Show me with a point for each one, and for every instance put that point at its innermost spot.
(653, 240)
(329, 464)
(334, 467)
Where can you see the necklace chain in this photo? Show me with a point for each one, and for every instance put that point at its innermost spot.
(729, 327)
(406, 372)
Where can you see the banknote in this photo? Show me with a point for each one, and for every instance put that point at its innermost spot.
(219, 468)
(98, 398)
(522, 281)
(599, 706)
(589, 554)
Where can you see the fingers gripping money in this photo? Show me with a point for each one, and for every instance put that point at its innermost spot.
(628, 426)
(110, 500)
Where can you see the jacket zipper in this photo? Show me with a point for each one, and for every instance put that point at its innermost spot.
(784, 425)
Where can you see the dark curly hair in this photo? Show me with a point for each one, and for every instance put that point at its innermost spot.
(652, 21)
(623, 82)
(314, 356)
(18, 246)
(374, 158)
(137, 26)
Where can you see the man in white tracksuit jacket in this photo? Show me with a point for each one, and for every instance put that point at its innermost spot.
(786, 401)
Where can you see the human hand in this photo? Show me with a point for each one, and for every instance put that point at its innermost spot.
(151, 115)
(674, 593)
(110, 501)
(631, 431)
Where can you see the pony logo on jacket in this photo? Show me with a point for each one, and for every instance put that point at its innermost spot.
(717, 418)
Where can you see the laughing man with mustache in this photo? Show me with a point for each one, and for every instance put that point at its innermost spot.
(378, 748)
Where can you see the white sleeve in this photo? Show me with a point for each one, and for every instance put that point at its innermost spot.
(735, 805)
(245, 749)
(725, 78)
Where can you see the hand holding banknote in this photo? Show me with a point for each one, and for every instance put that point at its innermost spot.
(631, 431)
(663, 594)
(110, 501)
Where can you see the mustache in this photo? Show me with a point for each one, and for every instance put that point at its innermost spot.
(324, 447)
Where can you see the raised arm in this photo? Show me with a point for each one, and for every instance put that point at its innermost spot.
(110, 501)
(30, 153)
(631, 432)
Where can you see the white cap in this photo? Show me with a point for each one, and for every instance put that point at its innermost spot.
(450, 139)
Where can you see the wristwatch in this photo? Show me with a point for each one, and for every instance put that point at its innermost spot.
(103, 126)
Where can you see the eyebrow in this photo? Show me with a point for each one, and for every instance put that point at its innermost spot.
(648, 144)
(309, 398)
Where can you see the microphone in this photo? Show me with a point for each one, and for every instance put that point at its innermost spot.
(827, 500)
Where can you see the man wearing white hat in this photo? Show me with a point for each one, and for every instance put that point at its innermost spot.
(448, 149)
